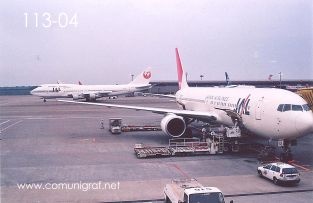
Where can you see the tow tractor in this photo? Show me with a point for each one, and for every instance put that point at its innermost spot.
(191, 191)
(115, 125)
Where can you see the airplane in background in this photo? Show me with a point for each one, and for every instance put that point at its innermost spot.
(227, 79)
(93, 92)
(274, 114)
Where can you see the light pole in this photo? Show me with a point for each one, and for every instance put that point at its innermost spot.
(132, 77)
(280, 79)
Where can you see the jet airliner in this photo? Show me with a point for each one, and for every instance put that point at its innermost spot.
(267, 112)
(93, 92)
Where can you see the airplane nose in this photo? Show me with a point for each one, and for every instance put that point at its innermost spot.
(34, 92)
(304, 123)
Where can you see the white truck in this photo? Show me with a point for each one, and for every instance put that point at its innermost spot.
(191, 191)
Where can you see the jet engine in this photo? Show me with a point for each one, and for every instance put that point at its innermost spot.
(173, 125)
(78, 96)
(92, 97)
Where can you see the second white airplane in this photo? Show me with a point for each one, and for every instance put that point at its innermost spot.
(93, 92)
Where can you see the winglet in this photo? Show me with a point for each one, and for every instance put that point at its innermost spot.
(182, 82)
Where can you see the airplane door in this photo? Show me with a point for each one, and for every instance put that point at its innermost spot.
(259, 109)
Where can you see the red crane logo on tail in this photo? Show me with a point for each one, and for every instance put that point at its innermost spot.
(147, 75)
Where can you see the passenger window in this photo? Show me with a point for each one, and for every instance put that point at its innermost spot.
(277, 169)
(296, 107)
(306, 107)
(287, 107)
(280, 107)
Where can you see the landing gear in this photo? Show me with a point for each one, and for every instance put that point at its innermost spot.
(286, 155)
(44, 100)
(267, 153)
(187, 133)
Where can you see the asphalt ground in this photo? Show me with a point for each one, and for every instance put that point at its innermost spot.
(57, 144)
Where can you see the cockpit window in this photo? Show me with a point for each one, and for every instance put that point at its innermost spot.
(280, 107)
(296, 107)
(306, 107)
(287, 107)
(293, 107)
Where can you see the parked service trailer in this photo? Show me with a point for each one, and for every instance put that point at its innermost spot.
(177, 147)
(143, 151)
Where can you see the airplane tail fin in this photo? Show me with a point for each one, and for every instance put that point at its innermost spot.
(182, 81)
(143, 78)
(227, 79)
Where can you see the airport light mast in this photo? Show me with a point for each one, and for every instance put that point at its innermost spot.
(280, 74)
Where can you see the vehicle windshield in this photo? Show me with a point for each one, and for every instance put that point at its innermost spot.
(115, 123)
(289, 170)
(216, 197)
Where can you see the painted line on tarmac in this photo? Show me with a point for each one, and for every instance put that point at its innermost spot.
(133, 201)
(4, 122)
(300, 166)
(183, 173)
(13, 124)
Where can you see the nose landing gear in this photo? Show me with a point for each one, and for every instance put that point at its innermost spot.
(286, 155)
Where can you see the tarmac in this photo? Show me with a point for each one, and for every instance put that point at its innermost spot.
(62, 149)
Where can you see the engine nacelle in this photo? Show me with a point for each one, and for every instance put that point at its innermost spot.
(78, 96)
(173, 125)
(92, 96)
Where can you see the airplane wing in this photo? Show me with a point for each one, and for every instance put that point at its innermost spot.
(162, 95)
(200, 115)
(99, 93)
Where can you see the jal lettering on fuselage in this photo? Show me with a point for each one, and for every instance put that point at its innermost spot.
(241, 107)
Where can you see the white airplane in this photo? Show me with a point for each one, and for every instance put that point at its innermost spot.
(93, 92)
(274, 114)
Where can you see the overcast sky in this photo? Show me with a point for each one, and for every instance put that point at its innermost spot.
(249, 39)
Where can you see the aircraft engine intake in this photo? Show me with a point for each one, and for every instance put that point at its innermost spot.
(173, 125)
(77, 97)
(92, 97)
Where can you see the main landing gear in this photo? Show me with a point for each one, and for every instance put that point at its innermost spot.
(286, 155)
(267, 153)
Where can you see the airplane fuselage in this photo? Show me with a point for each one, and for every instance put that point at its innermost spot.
(72, 90)
(258, 109)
